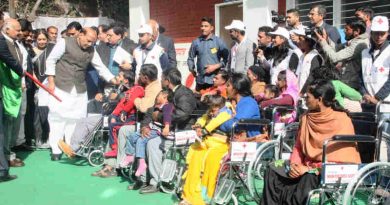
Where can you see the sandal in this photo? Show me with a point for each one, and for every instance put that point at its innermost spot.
(100, 172)
(108, 173)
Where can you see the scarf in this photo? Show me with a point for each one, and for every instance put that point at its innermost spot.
(11, 88)
(292, 86)
(316, 127)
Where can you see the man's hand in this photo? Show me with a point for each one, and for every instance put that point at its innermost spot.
(114, 81)
(165, 131)
(113, 96)
(297, 170)
(211, 68)
(145, 132)
(323, 37)
(125, 65)
(51, 85)
(99, 97)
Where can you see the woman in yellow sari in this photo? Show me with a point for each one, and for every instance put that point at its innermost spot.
(204, 159)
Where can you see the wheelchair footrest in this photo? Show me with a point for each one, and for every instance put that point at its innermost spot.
(224, 191)
(168, 170)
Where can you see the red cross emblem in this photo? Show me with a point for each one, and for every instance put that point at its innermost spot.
(244, 145)
(381, 69)
(341, 168)
(380, 21)
(152, 57)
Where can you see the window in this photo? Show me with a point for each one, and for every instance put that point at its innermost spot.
(348, 8)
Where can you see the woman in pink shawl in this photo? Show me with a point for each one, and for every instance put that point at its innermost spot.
(288, 85)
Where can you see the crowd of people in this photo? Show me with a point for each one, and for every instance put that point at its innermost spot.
(292, 65)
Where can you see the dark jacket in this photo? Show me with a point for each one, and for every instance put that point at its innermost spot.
(332, 32)
(169, 48)
(7, 58)
(185, 103)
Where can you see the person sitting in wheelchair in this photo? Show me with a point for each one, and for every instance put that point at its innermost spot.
(85, 125)
(204, 161)
(288, 88)
(136, 142)
(123, 114)
(219, 112)
(290, 181)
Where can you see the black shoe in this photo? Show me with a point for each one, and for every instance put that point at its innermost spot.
(7, 178)
(55, 157)
(23, 147)
(148, 189)
(136, 185)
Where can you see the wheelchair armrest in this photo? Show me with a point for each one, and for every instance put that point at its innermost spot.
(254, 121)
(346, 138)
(354, 138)
(198, 112)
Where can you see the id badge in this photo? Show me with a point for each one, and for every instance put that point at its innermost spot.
(214, 50)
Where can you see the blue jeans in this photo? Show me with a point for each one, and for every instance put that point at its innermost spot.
(135, 144)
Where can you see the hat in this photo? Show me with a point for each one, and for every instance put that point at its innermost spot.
(299, 32)
(380, 23)
(281, 32)
(145, 28)
(236, 24)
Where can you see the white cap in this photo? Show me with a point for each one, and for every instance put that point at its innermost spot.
(236, 24)
(299, 32)
(380, 23)
(281, 32)
(145, 28)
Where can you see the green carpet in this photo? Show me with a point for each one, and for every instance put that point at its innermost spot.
(68, 182)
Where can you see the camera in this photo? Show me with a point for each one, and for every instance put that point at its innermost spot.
(279, 19)
(311, 31)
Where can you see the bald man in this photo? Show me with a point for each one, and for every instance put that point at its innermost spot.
(11, 57)
(165, 42)
(66, 69)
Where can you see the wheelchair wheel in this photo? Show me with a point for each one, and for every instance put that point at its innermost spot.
(129, 171)
(371, 185)
(171, 179)
(265, 154)
(96, 158)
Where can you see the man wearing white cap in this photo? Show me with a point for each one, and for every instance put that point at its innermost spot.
(283, 57)
(148, 52)
(241, 54)
(375, 68)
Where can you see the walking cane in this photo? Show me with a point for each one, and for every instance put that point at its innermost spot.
(42, 86)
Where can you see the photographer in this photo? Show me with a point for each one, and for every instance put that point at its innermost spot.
(316, 15)
(264, 50)
(365, 14)
(348, 58)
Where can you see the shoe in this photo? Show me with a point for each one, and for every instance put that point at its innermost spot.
(22, 147)
(66, 149)
(55, 157)
(136, 185)
(16, 163)
(7, 178)
(149, 190)
(110, 154)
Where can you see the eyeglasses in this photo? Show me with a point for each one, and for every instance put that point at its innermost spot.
(141, 35)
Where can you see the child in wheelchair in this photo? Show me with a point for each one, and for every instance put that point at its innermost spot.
(136, 142)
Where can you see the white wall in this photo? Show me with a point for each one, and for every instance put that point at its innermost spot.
(257, 13)
(138, 14)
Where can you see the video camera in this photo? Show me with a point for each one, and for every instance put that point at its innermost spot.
(279, 19)
(311, 31)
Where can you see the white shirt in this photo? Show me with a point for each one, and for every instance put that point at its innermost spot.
(59, 50)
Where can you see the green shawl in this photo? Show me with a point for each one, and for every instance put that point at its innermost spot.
(11, 90)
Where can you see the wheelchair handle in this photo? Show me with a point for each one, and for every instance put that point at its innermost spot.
(346, 138)
(253, 121)
(378, 107)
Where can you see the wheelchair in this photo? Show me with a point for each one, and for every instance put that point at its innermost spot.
(233, 174)
(93, 147)
(174, 159)
(282, 139)
(367, 183)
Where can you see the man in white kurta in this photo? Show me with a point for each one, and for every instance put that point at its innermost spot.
(66, 69)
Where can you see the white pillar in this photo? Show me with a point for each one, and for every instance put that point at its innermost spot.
(139, 13)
